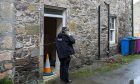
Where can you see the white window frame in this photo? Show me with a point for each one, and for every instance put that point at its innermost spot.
(113, 41)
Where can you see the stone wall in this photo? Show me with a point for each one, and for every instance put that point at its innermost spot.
(82, 19)
(137, 19)
(20, 38)
(21, 29)
(7, 21)
(27, 31)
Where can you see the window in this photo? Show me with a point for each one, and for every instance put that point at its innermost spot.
(53, 11)
(56, 13)
(112, 29)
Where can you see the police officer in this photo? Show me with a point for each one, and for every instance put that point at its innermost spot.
(64, 47)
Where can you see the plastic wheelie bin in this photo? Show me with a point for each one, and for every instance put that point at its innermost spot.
(132, 45)
(125, 42)
(138, 45)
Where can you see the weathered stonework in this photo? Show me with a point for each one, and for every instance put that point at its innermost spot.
(5, 55)
(27, 36)
(136, 19)
(6, 15)
(21, 28)
(5, 36)
(82, 19)
(7, 20)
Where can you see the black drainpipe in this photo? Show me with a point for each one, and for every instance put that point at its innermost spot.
(132, 18)
(99, 33)
(108, 30)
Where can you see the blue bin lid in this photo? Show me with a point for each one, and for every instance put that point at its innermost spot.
(126, 39)
(131, 38)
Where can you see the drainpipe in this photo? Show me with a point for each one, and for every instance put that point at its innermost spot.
(99, 31)
(108, 47)
(132, 18)
(108, 29)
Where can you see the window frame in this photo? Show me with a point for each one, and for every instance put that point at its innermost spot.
(112, 23)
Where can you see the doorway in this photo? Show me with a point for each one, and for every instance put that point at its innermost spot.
(54, 20)
(50, 29)
(52, 26)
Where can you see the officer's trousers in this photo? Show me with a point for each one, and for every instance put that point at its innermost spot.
(64, 68)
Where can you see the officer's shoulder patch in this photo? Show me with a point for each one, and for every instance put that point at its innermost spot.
(59, 39)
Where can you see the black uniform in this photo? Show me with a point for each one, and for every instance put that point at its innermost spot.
(64, 50)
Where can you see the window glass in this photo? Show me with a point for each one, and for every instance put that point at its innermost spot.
(112, 29)
(53, 11)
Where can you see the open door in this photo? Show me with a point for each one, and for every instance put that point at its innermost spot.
(50, 28)
(54, 20)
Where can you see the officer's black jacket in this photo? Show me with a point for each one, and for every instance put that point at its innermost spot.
(64, 45)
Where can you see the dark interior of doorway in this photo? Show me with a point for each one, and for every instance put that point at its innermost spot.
(50, 28)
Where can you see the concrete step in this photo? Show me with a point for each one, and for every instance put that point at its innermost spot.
(49, 78)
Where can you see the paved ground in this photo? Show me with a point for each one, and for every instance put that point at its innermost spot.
(122, 75)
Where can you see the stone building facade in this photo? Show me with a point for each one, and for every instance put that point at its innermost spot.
(82, 20)
(136, 19)
(23, 29)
